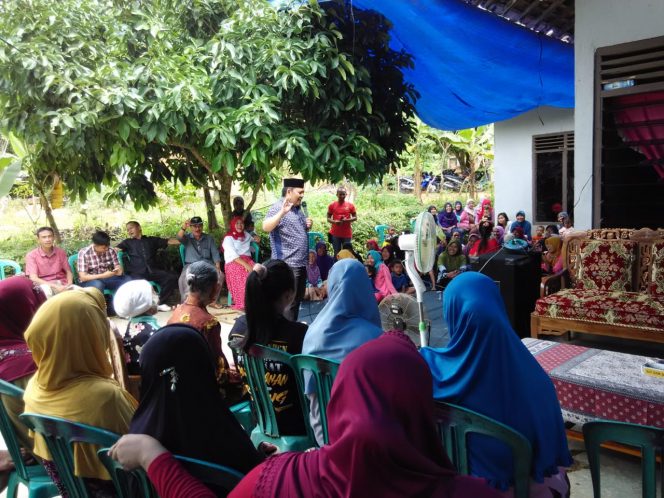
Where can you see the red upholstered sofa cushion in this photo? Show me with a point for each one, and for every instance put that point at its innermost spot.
(606, 265)
(656, 278)
(631, 309)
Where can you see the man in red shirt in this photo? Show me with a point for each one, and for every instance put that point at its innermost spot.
(341, 214)
(47, 265)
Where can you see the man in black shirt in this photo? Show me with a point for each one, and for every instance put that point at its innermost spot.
(141, 263)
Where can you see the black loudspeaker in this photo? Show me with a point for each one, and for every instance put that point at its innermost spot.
(519, 276)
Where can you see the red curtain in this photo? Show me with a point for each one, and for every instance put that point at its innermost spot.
(645, 115)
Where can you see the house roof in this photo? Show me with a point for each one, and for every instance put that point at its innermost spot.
(554, 18)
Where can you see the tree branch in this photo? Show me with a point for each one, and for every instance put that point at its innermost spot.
(254, 194)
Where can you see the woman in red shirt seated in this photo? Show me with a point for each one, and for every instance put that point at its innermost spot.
(485, 244)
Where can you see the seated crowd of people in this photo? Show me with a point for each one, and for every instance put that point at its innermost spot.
(381, 429)
(381, 426)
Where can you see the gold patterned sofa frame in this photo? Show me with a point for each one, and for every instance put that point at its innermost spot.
(552, 316)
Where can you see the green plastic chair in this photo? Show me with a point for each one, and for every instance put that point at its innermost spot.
(380, 231)
(7, 263)
(455, 424)
(223, 479)
(34, 477)
(181, 248)
(211, 474)
(244, 414)
(73, 264)
(314, 238)
(128, 483)
(122, 255)
(649, 439)
(60, 434)
(267, 428)
(323, 372)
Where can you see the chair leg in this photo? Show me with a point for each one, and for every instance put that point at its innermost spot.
(12, 485)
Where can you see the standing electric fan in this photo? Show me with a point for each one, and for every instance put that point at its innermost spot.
(420, 249)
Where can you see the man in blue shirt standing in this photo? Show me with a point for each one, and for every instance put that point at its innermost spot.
(288, 224)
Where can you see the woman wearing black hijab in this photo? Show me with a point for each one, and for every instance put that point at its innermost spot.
(181, 405)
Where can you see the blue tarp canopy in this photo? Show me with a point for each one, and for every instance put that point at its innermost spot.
(472, 67)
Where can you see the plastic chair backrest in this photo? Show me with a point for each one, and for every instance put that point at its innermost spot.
(220, 477)
(4, 263)
(323, 372)
(649, 439)
(314, 238)
(254, 364)
(59, 435)
(182, 249)
(257, 252)
(380, 231)
(73, 264)
(223, 479)
(455, 424)
(127, 482)
(7, 429)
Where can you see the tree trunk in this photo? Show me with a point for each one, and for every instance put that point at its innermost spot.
(209, 206)
(417, 188)
(225, 184)
(471, 178)
(49, 213)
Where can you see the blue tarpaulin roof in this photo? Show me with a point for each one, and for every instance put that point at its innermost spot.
(472, 67)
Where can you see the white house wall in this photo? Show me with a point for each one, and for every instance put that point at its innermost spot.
(513, 164)
(601, 23)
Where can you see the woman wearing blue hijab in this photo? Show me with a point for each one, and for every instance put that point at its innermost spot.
(349, 319)
(486, 368)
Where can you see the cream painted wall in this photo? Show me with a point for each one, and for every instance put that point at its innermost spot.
(513, 164)
(601, 23)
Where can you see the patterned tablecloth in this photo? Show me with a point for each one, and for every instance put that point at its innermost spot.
(596, 384)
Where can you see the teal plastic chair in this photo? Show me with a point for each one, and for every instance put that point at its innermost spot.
(267, 428)
(181, 248)
(244, 414)
(59, 435)
(380, 231)
(314, 238)
(323, 372)
(34, 477)
(257, 255)
(121, 257)
(455, 424)
(649, 439)
(223, 479)
(7, 263)
(73, 264)
(128, 483)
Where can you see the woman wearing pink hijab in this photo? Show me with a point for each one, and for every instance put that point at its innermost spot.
(485, 211)
(383, 439)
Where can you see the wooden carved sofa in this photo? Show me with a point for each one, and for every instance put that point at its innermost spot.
(612, 284)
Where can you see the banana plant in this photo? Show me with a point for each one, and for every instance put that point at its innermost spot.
(10, 164)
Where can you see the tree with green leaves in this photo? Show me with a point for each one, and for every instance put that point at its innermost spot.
(133, 94)
(474, 150)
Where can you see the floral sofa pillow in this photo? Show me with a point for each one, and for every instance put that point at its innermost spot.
(656, 280)
(606, 266)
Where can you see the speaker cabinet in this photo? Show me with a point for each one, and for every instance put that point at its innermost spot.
(519, 277)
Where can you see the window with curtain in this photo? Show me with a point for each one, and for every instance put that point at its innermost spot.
(553, 176)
